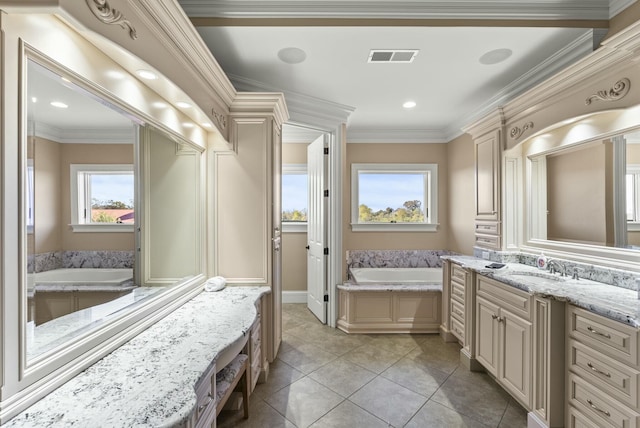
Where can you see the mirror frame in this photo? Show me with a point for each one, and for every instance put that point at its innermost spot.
(572, 133)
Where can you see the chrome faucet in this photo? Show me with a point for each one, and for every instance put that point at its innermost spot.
(555, 266)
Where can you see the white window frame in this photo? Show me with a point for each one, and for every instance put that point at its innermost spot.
(635, 171)
(430, 171)
(298, 169)
(30, 208)
(81, 198)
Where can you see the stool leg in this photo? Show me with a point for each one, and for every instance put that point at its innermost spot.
(245, 393)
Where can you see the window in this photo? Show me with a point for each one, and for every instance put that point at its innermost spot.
(633, 197)
(30, 196)
(102, 198)
(294, 197)
(394, 197)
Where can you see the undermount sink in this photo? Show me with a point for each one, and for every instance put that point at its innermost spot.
(542, 275)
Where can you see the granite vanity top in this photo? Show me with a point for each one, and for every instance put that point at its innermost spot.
(348, 286)
(617, 303)
(150, 380)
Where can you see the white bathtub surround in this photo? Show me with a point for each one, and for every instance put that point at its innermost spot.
(395, 258)
(84, 277)
(399, 276)
(615, 277)
(611, 301)
(150, 380)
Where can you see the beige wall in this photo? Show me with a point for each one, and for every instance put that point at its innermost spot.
(48, 196)
(91, 154)
(460, 186)
(578, 209)
(294, 254)
(624, 19)
(398, 153)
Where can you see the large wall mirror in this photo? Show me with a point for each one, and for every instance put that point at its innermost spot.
(583, 181)
(112, 211)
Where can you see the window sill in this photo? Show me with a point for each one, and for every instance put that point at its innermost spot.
(102, 228)
(393, 227)
(633, 227)
(294, 227)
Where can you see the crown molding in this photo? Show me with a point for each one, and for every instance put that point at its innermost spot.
(256, 103)
(413, 136)
(292, 134)
(425, 9)
(86, 135)
(617, 6)
(303, 109)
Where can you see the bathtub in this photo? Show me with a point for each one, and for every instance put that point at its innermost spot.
(97, 277)
(397, 275)
(391, 300)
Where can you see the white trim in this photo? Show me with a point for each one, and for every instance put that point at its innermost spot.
(294, 227)
(617, 6)
(427, 9)
(294, 296)
(102, 228)
(396, 136)
(86, 135)
(430, 172)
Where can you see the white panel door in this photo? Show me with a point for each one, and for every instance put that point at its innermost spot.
(316, 237)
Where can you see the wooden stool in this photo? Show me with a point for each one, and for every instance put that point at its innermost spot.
(228, 378)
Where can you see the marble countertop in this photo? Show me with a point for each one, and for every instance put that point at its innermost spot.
(613, 302)
(347, 286)
(150, 380)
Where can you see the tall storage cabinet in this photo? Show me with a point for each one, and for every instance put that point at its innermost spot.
(245, 178)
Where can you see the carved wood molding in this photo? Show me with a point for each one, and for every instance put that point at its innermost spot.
(220, 118)
(516, 132)
(619, 90)
(110, 16)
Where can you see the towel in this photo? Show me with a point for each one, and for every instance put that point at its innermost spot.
(216, 283)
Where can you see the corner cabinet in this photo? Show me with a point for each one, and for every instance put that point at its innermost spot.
(245, 178)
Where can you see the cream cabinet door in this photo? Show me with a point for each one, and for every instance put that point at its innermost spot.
(487, 334)
(515, 353)
(487, 158)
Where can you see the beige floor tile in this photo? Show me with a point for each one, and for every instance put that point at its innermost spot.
(349, 415)
(372, 358)
(261, 415)
(397, 343)
(307, 357)
(340, 345)
(437, 354)
(514, 417)
(281, 374)
(482, 404)
(434, 415)
(289, 342)
(388, 401)
(416, 376)
(304, 401)
(343, 377)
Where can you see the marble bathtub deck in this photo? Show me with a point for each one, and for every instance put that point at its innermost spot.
(325, 378)
(617, 303)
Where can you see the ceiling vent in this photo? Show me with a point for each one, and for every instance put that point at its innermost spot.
(392, 55)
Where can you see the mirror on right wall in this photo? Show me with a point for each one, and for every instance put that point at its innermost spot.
(583, 187)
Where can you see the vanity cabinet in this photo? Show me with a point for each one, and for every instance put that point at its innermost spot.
(54, 304)
(603, 377)
(503, 336)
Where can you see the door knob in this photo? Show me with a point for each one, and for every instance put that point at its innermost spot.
(307, 247)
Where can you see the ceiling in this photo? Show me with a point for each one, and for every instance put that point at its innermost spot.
(447, 81)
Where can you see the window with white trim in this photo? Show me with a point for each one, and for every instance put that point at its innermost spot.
(102, 197)
(394, 197)
(30, 196)
(633, 197)
(294, 197)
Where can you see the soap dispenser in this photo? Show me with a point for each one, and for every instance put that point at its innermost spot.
(541, 261)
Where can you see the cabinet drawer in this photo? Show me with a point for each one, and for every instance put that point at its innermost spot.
(457, 292)
(487, 227)
(598, 406)
(458, 273)
(512, 299)
(603, 372)
(457, 310)
(256, 336)
(488, 241)
(205, 393)
(457, 328)
(610, 337)
(580, 420)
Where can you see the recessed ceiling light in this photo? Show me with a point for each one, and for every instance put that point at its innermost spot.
(34, 99)
(292, 55)
(188, 125)
(59, 104)
(182, 104)
(146, 74)
(495, 56)
(409, 104)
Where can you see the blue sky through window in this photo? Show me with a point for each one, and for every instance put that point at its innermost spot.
(116, 187)
(294, 192)
(379, 191)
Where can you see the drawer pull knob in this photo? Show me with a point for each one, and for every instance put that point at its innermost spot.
(494, 316)
(500, 319)
(594, 331)
(591, 366)
(596, 408)
(203, 406)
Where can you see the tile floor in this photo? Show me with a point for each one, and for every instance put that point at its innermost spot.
(325, 378)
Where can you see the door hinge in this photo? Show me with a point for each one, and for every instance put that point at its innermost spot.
(326, 193)
(326, 251)
(326, 297)
(326, 150)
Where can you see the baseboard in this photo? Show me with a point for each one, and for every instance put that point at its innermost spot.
(294, 297)
(533, 421)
